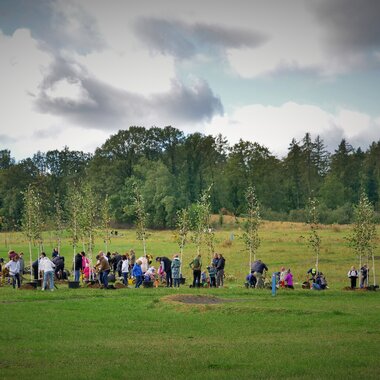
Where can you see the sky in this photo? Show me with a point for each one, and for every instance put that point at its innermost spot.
(74, 72)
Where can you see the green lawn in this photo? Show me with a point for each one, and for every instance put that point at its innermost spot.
(136, 333)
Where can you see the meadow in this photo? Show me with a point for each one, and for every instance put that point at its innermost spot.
(139, 333)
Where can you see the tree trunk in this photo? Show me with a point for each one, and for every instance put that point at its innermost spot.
(31, 260)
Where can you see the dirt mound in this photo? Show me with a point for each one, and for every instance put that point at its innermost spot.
(196, 299)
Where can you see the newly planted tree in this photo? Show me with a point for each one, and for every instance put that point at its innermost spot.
(141, 216)
(32, 221)
(59, 224)
(202, 231)
(75, 201)
(106, 222)
(363, 237)
(251, 226)
(183, 226)
(314, 237)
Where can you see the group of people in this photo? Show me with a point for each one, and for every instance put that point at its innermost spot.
(214, 277)
(169, 272)
(353, 275)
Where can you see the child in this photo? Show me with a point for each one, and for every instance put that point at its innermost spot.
(212, 274)
(289, 280)
(204, 279)
(137, 273)
(176, 270)
(86, 267)
(125, 269)
(283, 273)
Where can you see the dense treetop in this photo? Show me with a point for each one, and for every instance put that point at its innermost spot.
(172, 169)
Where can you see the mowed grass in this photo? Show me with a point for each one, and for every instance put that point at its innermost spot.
(136, 333)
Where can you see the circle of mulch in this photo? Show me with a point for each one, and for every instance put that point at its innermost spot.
(27, 287)
(196, 299)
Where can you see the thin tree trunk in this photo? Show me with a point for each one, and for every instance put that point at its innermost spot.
(31, 260)
(373, 270)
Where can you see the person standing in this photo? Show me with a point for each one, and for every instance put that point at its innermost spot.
(77, 266)
(289, 280)
(196, 266)
(125, 269)
(353, 276)
(364, 275)
(104, 269)
(176, 270)
(220, 271)
(14, 270)
(137, 273)
(166, 265)
(47, 268)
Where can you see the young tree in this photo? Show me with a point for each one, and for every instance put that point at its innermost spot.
(141, 216)
(58, 222)
(202, 231)
(251, 227)
(32, 221)
(106, 221)
(363, 236)
(183, 225)
(75, 202)
(313, 221)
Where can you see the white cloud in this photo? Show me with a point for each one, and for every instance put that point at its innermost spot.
(275, 127)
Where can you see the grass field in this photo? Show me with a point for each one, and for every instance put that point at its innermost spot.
(143, 333)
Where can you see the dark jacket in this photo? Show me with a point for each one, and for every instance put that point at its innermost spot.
(221, 263)
(258, 266)
(78, 262)
(167, 264)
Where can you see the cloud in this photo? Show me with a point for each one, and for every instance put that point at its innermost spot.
(57, 25)
(350, 24)
(275, 127)
(72, 93)
(184, 41)
(5, 139)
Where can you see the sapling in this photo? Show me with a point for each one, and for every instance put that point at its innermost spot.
(314, 237)
(363, 237)
(183, 226)
(250, 235)
(141, 216)
(32, 221)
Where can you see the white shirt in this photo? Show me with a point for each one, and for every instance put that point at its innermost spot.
(14, 267)
(46, 265)
(125, 266)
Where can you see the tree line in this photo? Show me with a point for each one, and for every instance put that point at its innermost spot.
(172, 170)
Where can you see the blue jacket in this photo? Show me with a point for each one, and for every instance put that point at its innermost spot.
(136, 271)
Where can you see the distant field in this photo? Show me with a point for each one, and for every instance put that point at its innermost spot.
(283, 243)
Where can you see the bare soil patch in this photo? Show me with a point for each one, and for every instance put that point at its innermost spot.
(197, 299)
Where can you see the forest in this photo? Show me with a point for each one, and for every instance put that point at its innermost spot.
(172, 169)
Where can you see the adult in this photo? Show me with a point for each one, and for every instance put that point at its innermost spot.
(166, 265)
(364, 275)
(59, 262)
(196, 266)
(144, 263)
(104, 269)
(176, 270)
(35, 268)
(353, 276)
(77, 266)
(47, 268)
(257, 269)
(215, 260)
(116, 263)
(14, 270)
(220, 271)
(132, 259)
(313, 273)
(55, 253)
